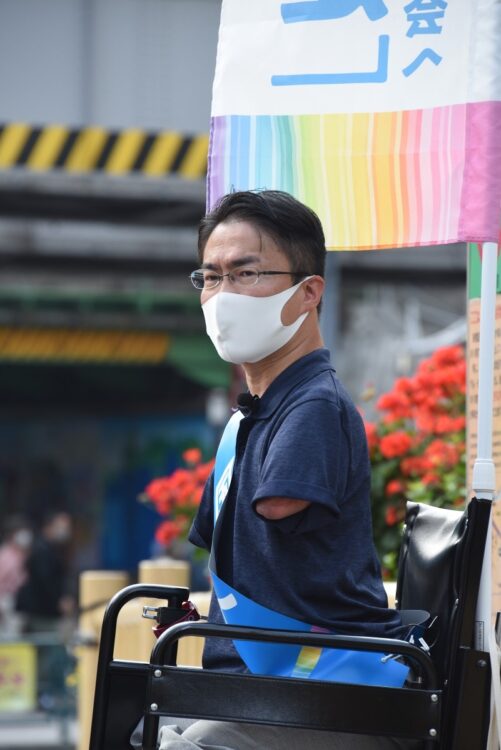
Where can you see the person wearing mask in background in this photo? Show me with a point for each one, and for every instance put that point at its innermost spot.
(46, 601)
(14, 552)
(287, 514)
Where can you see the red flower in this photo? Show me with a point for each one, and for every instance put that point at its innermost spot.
(392, 515)
(430, 478)
(422, 452)
(445, 424)
(447, 355)
(441, 454)
(159, 492)
(180, 478)
(178, 496)
(395, 487)
(167, 532)
(202, 472)
(425, 422)
(404, 385)
(415, 466)
(396, 403)
(371, 434)
(192, 456)
(395, 444)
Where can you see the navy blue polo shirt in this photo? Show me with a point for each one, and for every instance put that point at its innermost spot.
(306, 440)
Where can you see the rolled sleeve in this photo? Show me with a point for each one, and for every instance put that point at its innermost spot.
(203, 525)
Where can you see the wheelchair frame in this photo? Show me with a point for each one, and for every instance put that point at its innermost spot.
(447, 708)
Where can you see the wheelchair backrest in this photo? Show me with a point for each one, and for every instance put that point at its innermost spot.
(439, 571)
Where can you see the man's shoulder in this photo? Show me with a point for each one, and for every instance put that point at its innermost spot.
(322, 386)
(321, 400)
(307, 388)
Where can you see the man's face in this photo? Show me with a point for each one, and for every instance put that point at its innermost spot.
(238, 244)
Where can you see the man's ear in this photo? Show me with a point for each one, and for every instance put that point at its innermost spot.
(312, 289)
(305, 299)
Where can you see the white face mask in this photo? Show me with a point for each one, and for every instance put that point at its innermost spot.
(244, 328)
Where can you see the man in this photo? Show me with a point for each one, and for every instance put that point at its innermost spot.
(293, 535)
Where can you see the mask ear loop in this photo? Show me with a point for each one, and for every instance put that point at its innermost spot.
(295, 287)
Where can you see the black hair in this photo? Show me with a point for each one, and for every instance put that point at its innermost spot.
(294, 227)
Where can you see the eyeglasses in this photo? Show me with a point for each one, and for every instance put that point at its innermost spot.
(205, 279)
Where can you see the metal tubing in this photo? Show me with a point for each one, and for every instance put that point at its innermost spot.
(486, 354)
(484, 476)
(161, 653)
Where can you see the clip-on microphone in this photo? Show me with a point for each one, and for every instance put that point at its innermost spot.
(247, 403)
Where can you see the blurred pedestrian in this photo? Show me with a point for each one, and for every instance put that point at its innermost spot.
(46, 601)
(15, 548)
(46, 595)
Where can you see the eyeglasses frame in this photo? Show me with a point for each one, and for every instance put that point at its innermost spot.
(259, 273)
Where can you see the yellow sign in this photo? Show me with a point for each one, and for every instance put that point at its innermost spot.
(17, 677)
(67, 345)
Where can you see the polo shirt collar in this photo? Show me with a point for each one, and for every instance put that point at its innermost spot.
(303, 369)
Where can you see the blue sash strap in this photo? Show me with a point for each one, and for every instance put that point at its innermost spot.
(283, 660)
(225, 458)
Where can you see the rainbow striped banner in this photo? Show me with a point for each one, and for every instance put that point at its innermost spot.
(389, 127)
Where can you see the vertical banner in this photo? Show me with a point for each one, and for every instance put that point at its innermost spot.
(383, 117)
(474, 288)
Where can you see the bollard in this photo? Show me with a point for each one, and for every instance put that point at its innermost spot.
(162, 570)
(134, 637)
(96, 588)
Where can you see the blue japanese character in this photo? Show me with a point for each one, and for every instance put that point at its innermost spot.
(425, 5)
(324, 10)
(380, 75)
(428, 21)
(426, 54)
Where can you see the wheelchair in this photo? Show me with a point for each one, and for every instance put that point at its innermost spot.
(446, 706)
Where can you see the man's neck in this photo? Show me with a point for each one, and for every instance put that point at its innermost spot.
(260, 375)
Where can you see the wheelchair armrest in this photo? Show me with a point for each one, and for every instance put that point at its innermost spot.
(164, 647)
(174, 595)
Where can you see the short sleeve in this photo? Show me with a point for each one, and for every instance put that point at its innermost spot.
(307, 458)
(201, 530)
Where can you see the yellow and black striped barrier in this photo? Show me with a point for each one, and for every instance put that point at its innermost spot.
(95, 149)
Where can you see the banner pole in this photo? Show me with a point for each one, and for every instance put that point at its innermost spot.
(484, 471)
(484, 477)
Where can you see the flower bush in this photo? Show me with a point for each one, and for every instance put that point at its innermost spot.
(417, 446)
(177, 496)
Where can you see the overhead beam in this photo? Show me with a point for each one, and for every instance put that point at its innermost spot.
(101, 185)
(73, 239)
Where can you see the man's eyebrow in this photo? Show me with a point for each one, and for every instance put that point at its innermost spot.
(247, 260)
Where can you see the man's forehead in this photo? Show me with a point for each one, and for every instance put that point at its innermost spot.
(236, 238)
(238, 230)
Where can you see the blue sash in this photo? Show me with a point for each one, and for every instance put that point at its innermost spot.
(334, 665)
